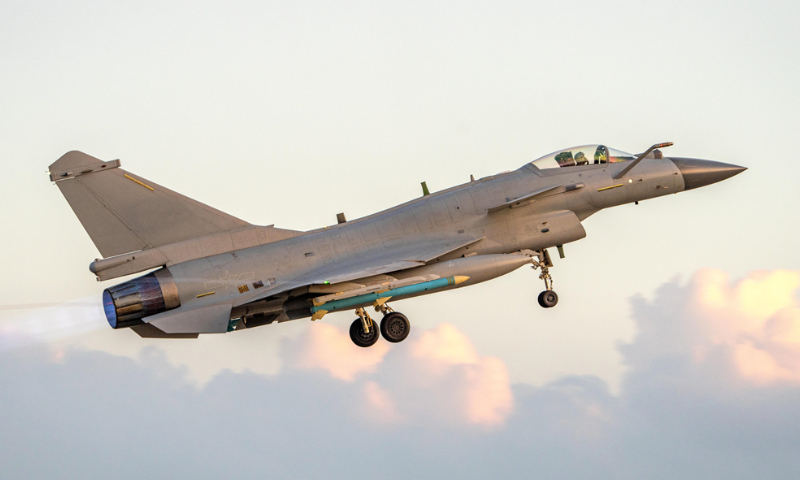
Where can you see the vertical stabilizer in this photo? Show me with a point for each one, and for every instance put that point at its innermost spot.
(123, 212)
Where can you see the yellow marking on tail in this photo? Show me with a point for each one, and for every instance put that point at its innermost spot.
(140, 183)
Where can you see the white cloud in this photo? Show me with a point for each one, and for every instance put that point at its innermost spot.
(755, 320)
(325, 347)
(431, 378)
(711, 392)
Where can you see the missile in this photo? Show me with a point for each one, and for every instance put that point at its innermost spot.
(373, 288)
(368, 298)
(479, 268)
(443, 275)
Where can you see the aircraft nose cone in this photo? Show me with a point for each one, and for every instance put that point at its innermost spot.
(699, 173)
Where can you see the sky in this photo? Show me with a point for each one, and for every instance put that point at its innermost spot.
(675, 347)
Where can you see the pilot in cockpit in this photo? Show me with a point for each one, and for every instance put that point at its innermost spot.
(565, 159)
(601, 155)
(580, 159)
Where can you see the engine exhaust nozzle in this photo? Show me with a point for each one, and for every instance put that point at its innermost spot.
(126, 304)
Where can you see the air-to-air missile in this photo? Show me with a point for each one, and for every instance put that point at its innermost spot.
(414, 282)
(344, 300)
(215, 273)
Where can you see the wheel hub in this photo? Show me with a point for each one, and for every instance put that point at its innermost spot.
(362, 334)
(397, 327)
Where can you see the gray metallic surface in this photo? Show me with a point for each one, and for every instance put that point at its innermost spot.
(169, 290)
(146, 330)
(699, 173)
(117, 208)
(233, 270)
(209, 319)
(478, 268)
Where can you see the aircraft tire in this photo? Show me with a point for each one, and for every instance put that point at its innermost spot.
(395, 327)
(362, 339)
(541, 302)
(548, 299)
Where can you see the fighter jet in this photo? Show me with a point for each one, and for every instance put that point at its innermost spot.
(213, 273)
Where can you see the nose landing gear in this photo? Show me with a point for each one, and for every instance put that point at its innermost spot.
(548, 298)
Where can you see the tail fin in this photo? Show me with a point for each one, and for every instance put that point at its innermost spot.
(123, 212)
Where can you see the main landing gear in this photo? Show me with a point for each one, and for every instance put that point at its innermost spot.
(548, 298)
(394, 327)
(363, 331)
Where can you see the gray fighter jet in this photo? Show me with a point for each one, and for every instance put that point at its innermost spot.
(215, 273)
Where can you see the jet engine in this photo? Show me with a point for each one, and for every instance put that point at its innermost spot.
(128, 303)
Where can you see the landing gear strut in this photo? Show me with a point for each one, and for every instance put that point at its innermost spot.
(363, 331)
(548, 298)
(394, 327)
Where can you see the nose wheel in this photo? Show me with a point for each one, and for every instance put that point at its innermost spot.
(548, 298)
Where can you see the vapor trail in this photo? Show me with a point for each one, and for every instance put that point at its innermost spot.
(49, 322)
(32, 306)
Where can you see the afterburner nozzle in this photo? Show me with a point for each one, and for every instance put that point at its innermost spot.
(126, 304)
(699, 173)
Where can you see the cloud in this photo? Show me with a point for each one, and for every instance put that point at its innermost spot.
(751, 326)
(327, 348)
(436, 377)
(711, 391)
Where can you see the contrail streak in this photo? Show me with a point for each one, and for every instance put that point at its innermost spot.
(33, 306)
(49, 322)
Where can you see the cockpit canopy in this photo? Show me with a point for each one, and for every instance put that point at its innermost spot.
(584, 155)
